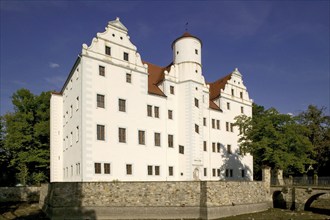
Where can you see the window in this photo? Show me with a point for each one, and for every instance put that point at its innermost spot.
(172, 90)
(100, 101)
(242, 173)
(128, 78)
(67, 117)
(142, 137)
(213, 172)
(227, 126)
(196, 103)
(77, 103)
(107, 168)
(107, 50)
(218, 172)
(97, 168)
(170, 114)
(205, 171)
(101, 70)
(242, 109)
(129, 169)
(232, 92)
(205, 146)
(157, 170)
(228, 105)
(197, 129)
(213, 146)
(204, 121)
(170, 140)
(100, 132)
(241, 95)
(229, 149)
(241, 151)
(71, 111)
(196, 51)
(157, 139)
(231, 127)
(218, 124)
(156, 112)
(122, 135)
(71, 138)
(77, 73)
(149, 110)
(71, 170)
(229, 173)
(181, 149)
(125, 56)
(77, 134)
(218, 147)
(149, 170)
(122, 105)
(213, 123)
(170, 171)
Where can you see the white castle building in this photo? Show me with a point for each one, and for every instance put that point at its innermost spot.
(118, 117)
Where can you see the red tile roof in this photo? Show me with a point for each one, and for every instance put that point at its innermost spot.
(215, 88)
(185, 34)
(156, 76)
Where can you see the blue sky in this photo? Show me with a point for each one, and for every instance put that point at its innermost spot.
(280, 47)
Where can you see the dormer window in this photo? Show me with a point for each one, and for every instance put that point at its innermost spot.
(107, 50)
(125, 56)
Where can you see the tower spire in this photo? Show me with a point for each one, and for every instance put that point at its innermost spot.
(186, 26)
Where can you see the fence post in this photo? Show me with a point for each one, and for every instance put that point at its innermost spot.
(266, 176)
(316, 179)
(290, 180)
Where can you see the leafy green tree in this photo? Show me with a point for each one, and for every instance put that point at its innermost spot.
(27, 136)
(275, 140)
(318, 125)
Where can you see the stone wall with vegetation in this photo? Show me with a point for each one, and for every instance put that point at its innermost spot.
(189, 199)
(19, 194)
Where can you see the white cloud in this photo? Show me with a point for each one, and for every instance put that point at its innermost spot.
(56, 81)
(20, 83)
(54, 65)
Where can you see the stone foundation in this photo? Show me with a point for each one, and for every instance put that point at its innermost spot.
(153, 200)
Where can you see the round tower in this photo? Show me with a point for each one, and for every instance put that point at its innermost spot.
(187, 48)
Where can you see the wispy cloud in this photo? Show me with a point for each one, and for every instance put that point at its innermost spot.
(19, 83)
(54, 65)
(23, 6)
(56, 81)
(144, 30)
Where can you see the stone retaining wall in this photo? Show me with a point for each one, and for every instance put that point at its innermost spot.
(19, 194)
(150, 200)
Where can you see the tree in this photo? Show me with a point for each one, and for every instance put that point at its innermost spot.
(318, 126)
(275, 140)
(27, 136)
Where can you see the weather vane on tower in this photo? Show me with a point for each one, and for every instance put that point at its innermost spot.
(186, 27)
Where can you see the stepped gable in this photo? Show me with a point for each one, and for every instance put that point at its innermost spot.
(215, 89)
(156, 76)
